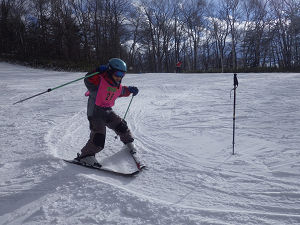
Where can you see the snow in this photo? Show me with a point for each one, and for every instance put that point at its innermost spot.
(183, 129)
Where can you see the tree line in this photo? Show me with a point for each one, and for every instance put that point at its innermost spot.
(153, 35)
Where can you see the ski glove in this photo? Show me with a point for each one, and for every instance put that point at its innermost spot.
(133, 90)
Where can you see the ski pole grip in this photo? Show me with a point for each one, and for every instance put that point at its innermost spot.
(235, 80)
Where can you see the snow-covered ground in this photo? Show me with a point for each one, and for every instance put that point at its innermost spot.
(183, 129)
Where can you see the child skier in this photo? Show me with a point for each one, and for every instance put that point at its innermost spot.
(103, 89)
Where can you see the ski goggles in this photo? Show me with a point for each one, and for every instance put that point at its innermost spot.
(119, 73)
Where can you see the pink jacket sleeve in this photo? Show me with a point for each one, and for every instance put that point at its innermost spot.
(125, 92)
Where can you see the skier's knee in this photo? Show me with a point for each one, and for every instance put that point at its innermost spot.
(122, 127)
(99, 140)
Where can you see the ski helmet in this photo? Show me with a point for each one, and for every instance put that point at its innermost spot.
(117, 64)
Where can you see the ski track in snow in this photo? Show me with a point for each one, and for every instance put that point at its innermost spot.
(183, 129)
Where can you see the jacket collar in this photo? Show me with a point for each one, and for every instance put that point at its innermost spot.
(108, 77)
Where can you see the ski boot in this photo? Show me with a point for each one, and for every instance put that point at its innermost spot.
(132, 149)
(89, 160)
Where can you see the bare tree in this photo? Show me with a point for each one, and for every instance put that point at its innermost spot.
(292, 12)
(256, 21)
(282, 39)
(134, 37)
(232, 11)
(12, 27)
(220, 30)
(158, 31)
(194, 15)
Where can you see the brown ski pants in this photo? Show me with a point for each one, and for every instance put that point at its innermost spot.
(98, 123)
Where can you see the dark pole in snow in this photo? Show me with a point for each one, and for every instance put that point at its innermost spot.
(51, 89)
(235, 85)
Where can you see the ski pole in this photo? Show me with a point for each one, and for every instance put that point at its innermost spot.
(51, 89)
(126, 111)
(235, 85)
(128, 107)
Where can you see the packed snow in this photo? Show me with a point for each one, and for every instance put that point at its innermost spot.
(182, 124)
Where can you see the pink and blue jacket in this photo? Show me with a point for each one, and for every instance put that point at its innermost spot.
(103, 91)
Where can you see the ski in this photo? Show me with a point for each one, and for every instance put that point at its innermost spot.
(103, 169)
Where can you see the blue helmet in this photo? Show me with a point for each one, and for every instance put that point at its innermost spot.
(117, 64)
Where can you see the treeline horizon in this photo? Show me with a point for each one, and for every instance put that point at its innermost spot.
(153, 35)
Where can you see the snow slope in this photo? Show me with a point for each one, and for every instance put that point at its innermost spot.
(183, 129)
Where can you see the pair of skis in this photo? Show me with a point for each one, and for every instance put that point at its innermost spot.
(140, 166)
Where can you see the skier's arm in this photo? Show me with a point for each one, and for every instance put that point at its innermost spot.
(126, 91)
(92, 83)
